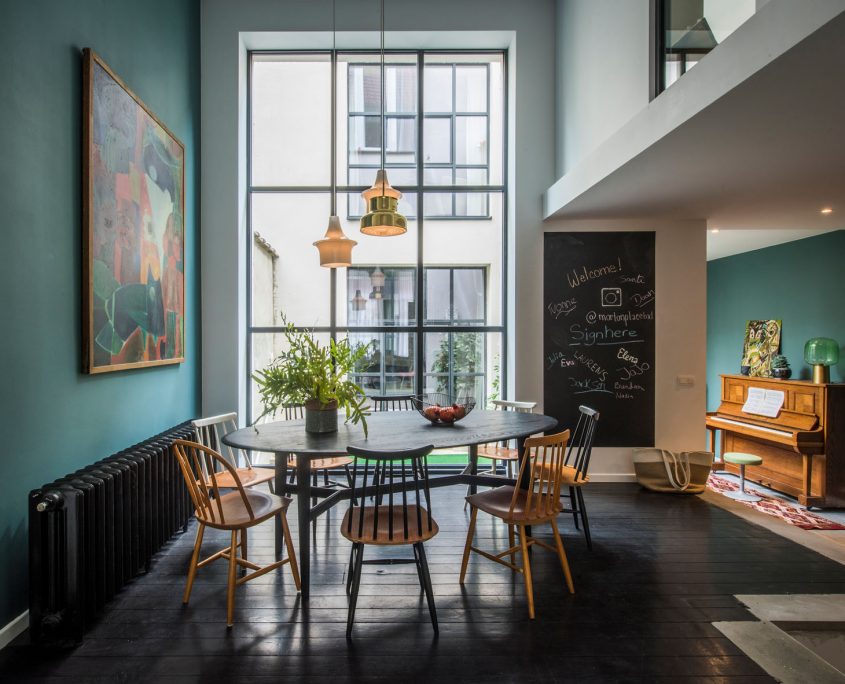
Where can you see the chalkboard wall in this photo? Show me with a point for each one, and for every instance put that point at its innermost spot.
(598, 332)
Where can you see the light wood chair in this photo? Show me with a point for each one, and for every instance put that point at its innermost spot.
(404, 520)
(576, 465)
(236, 511)
(534, 501)
(504, 451)
(210, 431)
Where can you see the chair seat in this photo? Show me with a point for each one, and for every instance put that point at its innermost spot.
(571, 478)
(382, 532)
(739, 458)
(324, 463)
(264, 506)
(498, 453)
(497, 502)
(249, 477)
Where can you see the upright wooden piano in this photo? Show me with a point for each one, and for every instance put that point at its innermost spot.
(803, 447)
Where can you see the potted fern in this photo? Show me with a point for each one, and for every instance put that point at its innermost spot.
(316, 376)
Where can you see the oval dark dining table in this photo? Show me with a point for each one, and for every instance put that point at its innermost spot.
(388, 430)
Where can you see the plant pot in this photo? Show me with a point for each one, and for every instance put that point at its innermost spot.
(781, 373)
(319, 418)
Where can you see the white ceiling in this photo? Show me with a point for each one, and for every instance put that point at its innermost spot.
(758, 163)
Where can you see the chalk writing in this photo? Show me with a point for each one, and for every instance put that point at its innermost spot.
(577, 277)
(625, 355)
(566, 307)
(578, 336)
(640, 300)
(628, 372)
(586, 385)
(593, 365)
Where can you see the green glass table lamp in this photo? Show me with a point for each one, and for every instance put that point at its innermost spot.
(821, 353)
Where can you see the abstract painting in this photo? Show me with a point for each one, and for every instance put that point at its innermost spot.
(134, 225)
(762, 342)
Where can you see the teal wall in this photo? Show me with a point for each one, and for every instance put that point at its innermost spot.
(55, 419)
(802, 283)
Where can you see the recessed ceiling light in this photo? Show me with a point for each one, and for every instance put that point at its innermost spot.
(827, 210)
(714, 230)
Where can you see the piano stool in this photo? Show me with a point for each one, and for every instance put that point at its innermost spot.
(742, 460)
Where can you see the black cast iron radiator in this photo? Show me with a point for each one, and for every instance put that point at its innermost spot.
(92, 531)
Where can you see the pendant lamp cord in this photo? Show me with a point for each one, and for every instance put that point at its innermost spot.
(334, 112)
(383, 91)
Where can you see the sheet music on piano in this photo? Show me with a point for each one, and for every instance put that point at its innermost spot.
(763, 402)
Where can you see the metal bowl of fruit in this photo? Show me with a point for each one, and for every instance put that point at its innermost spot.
(441, 409)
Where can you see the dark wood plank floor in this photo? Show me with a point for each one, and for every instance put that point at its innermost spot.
(661, 570)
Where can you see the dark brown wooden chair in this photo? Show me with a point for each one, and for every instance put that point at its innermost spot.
(236, 511)
(404, 520)
(534, 501)
(391, 402)
(576, 464)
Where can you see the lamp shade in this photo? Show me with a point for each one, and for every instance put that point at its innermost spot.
(377, 278)
(359, 303)
(335, 248)
(382, 218)
(821, 351)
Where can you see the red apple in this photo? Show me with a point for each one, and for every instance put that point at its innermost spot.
(447, 415)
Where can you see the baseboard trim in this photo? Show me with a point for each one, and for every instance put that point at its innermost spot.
(612, 477)
(14, 629)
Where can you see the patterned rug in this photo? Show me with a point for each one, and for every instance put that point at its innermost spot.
(786, 511)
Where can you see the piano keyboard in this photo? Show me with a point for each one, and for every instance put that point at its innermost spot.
(782, 433)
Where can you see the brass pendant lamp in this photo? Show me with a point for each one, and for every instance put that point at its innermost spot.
(382, 218)
(335, 248)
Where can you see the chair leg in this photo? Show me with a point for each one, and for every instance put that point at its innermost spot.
(583, 511)
(356, 583)
(419, 568)
(244, 544)
(195, 558)
(429, 590)
(467, 547)
(526, 570)
(564, 563)
(574, 505)
(512, 543)
(350, 573)
(230, 591)
(294, 567)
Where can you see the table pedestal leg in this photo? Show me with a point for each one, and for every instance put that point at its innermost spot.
(473, 465)
(280, 484)
(303, 507)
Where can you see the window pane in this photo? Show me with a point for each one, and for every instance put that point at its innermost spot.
(471, 89)
(438, 295)
(471, 204)
(389, 365)
(437, 176)
(381, 296)
(471, 139)
(470, 243)
(285, 263)
(365, 140)
(365, 88)
(438, 204)
(468, 296)
(401, 96)
(291, 135)
(437, 140)
(438, 88)
(401, 139)
(455, 363)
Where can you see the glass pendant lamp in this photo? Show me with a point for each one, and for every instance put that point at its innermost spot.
(821, 353)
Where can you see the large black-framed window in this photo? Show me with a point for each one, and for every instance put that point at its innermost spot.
(456, 131)
(436, 316)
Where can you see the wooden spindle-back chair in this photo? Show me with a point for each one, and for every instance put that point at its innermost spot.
(210, 431)
(533, 501)
(576, 464)
(205, 471)
(404, 520)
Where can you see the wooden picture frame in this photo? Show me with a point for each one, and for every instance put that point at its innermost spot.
(133, 206)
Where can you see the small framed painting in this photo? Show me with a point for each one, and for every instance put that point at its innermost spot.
(762, 342)
(133, 229)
